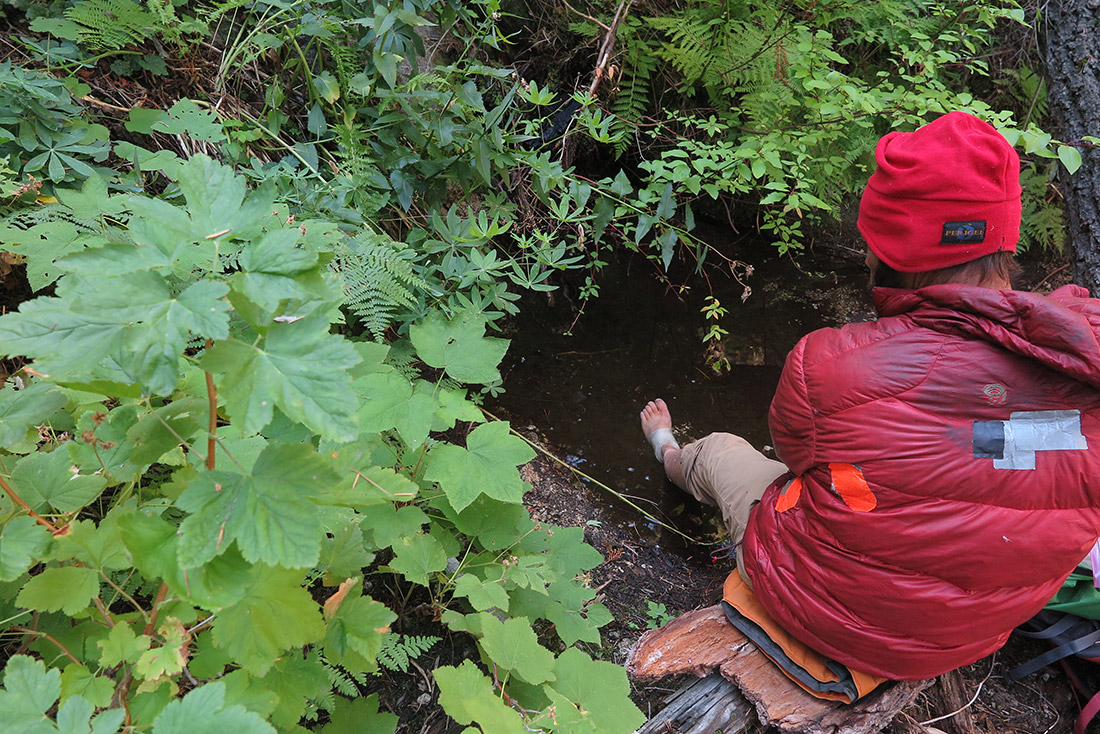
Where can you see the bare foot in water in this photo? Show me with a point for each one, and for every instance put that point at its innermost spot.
(657, 427)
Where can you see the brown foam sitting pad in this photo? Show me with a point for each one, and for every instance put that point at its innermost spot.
(703, 640)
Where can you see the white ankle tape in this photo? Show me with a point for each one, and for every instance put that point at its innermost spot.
(659, 439)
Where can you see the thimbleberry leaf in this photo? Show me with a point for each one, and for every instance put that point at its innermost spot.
(486, 466)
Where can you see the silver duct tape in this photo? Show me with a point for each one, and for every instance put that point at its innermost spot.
(1040, 430)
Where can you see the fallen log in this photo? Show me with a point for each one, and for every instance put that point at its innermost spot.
(703, 641)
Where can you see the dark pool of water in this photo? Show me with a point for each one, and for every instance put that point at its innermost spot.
(638, 340)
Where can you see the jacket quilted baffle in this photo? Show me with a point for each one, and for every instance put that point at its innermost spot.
(947, 475)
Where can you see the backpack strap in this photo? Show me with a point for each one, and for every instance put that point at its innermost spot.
(1063, 623)
(1073, 647)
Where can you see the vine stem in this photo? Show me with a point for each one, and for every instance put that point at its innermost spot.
(44, 635)
(27, 508)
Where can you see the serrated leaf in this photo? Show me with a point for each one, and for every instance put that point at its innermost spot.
(467, 696)
(77, 333)
(358, 715)
(363, 488)
(267, 512)
(75, 717)
(512, 644)
(96, 546)
(483, 595)
(68, 589)
(599, 690)
(388, 524)
(121, 645)
(29, 685)
(486, 466)
(168, 658)
(154, 545)
(390, 400)
(418, 556)
(165, 428)
(300, 368)
(359, 624)
(51, 479)
(204, 711)
(276, 614)
(22, 543)
(459, 347)
(77, 680)
(22, 410)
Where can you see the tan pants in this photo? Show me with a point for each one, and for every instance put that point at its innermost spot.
(725, 470)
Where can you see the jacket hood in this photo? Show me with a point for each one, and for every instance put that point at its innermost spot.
(1061, 330)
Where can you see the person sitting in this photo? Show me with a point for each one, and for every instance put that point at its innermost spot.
(938, 473)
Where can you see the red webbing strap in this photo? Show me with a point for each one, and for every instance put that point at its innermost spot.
(1087, 714)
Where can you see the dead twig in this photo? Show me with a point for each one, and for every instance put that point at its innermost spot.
(604, 56)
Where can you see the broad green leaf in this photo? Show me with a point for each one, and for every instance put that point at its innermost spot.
(296, 680)
(276, 614)
(599, 691)
(468, 696)
(165, 428)
(388, 525)
(358, 625)
(157, 345)
(97, 546)
(417, 557)
(204, 711)
(22, 542)
(77, 680)
(92, 201)
(268, 512)
(483, 595)
(80, 331)
(68, 589)
(389, 400)
(22, 410)
(496, 525)
(50, 479)
(28, 685)
(343, 553)
(512, 644)
(300, 368)
(486, 466)
(42, 244)
(459, 347)
(1070, 157)
(75, 717)
(114, 259)
(122, 645)
(367, 487)
(154, 545)
(359, 715)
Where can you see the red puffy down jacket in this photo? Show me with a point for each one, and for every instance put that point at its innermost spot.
(947, 464)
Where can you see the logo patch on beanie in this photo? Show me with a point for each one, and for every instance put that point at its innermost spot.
(963, 233)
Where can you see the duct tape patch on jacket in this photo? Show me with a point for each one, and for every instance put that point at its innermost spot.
(1012, 443)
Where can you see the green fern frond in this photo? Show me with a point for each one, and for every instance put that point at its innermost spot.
(110, 24)
(378, 279)
(397, 650)
(633, 96)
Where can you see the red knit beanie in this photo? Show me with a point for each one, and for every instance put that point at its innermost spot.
(945, 194)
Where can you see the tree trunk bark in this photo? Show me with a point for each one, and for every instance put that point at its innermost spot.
(1073, 67)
